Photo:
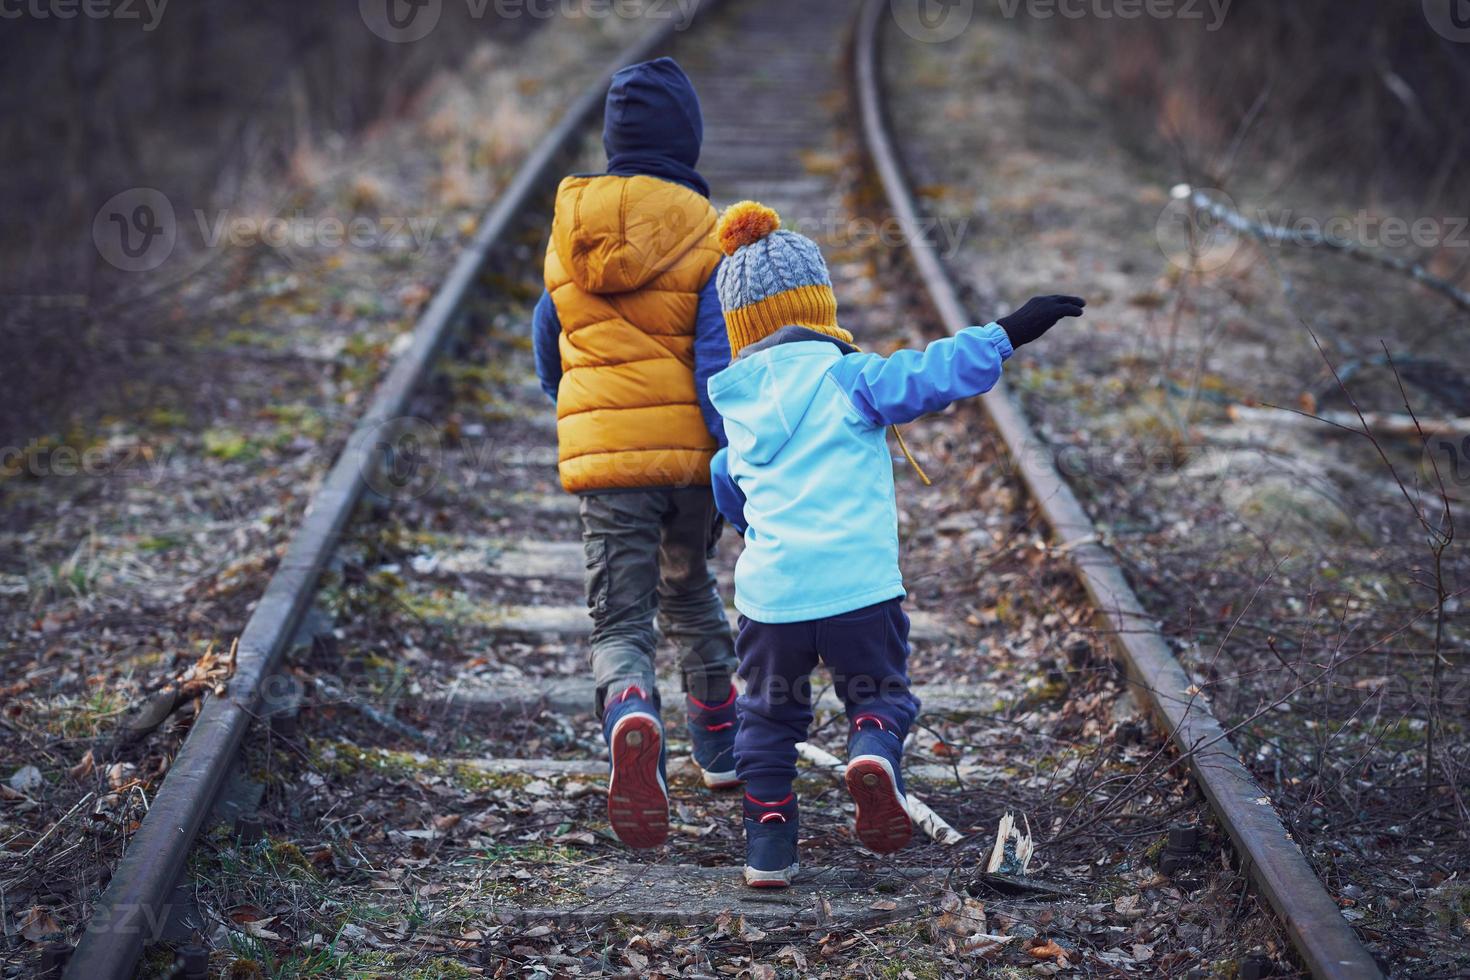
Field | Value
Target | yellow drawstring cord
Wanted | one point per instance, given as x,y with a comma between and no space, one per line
910,457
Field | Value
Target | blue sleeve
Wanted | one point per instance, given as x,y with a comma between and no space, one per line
711,354
910,383
728,497
546,339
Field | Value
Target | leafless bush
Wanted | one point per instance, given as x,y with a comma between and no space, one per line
1314,83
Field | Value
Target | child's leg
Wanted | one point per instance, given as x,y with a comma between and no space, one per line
867,651
691,613
621,533
776,662
693,618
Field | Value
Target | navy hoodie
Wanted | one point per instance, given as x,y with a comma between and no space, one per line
653,124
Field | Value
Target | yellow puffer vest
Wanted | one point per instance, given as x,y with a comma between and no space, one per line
627,260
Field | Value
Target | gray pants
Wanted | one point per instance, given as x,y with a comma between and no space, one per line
648,553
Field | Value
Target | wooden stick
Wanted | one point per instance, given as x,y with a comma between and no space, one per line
1311,238
932,823
1378,422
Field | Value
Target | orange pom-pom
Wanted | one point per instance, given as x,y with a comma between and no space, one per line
745,224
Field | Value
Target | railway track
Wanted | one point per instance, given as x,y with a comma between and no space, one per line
404,770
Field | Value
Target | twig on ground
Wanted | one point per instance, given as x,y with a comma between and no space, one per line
932,823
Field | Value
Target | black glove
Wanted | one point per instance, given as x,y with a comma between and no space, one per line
1039,315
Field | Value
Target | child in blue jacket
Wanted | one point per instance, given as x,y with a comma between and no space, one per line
808,479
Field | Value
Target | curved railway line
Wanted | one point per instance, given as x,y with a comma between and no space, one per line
478,737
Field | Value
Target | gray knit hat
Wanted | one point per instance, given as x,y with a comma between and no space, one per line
771,278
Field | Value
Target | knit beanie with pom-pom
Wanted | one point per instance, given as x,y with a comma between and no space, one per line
771,278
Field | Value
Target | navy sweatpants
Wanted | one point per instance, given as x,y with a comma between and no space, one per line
867,652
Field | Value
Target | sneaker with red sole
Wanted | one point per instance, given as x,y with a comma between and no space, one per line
712,740
875,780
637,793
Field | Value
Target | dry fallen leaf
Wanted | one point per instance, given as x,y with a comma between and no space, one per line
84,766
37,924
120,774
1047,951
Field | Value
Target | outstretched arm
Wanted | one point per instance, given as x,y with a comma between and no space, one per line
545,338
910,383
900,388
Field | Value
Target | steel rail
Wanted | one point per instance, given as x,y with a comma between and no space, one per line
1325,941
134,907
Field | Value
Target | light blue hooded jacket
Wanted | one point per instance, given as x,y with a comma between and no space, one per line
808,477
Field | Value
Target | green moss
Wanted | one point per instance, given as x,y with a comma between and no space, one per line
289,857
477,779
229,445
441,968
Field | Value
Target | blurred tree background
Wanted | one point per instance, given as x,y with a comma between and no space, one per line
210,93
1356,91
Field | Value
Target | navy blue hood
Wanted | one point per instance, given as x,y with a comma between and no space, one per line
653,124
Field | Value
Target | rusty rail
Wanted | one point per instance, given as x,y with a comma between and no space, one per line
133,908
1325,941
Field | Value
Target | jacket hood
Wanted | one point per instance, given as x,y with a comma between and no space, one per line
764,395
653,124
616,234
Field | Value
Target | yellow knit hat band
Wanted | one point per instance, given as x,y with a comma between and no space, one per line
813,307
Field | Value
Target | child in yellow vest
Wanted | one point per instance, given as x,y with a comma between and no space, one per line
626,335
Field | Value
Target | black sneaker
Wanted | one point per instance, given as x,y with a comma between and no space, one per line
770,842
712,735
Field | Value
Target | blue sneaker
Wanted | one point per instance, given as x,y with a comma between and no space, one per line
875,780
770,842
712,735
637,794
